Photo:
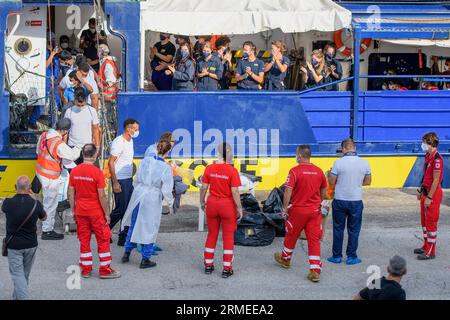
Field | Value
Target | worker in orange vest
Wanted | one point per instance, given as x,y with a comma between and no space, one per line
51,150
108,74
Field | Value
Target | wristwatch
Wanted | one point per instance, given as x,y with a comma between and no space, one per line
428,197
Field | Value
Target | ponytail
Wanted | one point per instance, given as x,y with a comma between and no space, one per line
163,147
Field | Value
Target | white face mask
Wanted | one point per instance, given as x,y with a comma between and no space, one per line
64,45
92,30
424,147
135,134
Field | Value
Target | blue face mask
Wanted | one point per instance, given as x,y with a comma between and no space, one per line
315,63
184,54
162,37
245,55
206,54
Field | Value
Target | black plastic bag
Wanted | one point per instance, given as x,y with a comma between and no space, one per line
280,229
274,202
249,203
255,230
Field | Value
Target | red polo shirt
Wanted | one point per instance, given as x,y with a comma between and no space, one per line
221,177
306,181
433,162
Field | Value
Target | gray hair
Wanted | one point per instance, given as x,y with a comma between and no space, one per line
23,183
397,266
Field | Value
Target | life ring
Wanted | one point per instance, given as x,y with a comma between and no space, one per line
365,43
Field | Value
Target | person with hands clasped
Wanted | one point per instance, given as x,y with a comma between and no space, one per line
223,207
430,196
277,68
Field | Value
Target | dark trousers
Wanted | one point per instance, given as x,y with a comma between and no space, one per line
350,212
121,201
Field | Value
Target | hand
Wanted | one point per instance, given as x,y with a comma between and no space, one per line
171,68
310,66
248,70
153,50
427,202
239,214
116,187
333,68
285,213
168,72
108,220
80,76
56,50
303,69
227,56
203,206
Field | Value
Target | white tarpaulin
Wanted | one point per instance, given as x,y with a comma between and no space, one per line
420,42
208,17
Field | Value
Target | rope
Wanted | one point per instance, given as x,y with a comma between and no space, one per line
52,105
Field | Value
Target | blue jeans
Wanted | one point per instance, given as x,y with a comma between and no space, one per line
121,201
147,249
350,212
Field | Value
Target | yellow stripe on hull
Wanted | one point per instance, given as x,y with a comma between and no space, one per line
387,172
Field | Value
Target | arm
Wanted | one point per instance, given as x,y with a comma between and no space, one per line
72,199
168,58
185,76
104,204
268,66
323,193
167,187
434,185
203,191
96,135
287,197
332,179
367,180
283,67
258,78
66,152
112,170
237,201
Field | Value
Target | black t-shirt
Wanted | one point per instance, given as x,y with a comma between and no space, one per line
390,290
16,210
87,35
164,49
92,53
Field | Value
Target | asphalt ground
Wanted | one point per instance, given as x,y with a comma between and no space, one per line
391,226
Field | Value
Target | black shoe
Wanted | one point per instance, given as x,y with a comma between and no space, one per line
147,263
425,256
126,257
419,251
209,269
227,273
52,235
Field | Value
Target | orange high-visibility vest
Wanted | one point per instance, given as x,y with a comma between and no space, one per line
109,92
48,162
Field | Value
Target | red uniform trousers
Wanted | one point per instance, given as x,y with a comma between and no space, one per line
85,226
220,211
311,221
429,218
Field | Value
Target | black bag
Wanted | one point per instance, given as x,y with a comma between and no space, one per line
6,242
255,230
274,202
280,229
249,203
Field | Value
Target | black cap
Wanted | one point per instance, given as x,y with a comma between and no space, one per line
63,124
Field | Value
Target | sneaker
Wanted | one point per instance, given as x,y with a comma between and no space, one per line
226,273
334,260
209,269
313,276
424,256
52,235
156,248
351,261
419,251
279,258
126,257
86,274
113,274
147,263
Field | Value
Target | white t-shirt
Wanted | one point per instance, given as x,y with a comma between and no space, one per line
124,151
90,79
350,171
82,120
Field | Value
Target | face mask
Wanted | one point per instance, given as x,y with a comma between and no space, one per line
315,63
245,55
184,54
64,45
226,51
424,147
206,54
135,134
162,37
391,87
72,84
330,55
92,30
384,87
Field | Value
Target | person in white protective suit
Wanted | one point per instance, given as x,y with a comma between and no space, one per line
153,181
51,150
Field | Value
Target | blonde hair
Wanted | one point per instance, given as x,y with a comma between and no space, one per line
280,45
